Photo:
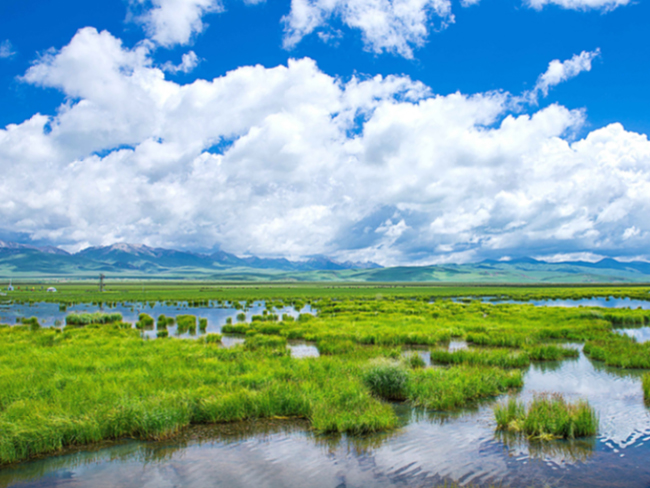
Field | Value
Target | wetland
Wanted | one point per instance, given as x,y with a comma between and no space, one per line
347,386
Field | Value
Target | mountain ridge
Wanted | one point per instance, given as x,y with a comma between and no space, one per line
123,260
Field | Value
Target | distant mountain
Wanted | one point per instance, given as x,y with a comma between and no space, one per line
14,246
122,258
140,261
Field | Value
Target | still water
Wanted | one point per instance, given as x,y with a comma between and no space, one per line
604,302
48,314
429,449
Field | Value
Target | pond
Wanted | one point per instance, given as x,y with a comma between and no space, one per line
429,449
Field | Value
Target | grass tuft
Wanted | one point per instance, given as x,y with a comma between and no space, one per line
547,417
387,379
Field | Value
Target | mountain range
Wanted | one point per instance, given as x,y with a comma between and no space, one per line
123,260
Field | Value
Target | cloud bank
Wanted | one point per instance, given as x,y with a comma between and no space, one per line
288,161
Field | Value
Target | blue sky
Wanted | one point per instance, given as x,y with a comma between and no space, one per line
403,132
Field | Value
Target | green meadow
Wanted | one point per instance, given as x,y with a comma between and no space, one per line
96,378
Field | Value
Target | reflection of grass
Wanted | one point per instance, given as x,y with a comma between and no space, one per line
547,417
573,450
646,387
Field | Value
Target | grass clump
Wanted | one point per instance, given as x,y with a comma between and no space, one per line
455,387
212,338
646,387
145,321
186,323
489,357
203,324
387,379
81,319
551,352
330,346
161,334
414,361
259,341
235,328
620,351
548,417
163,322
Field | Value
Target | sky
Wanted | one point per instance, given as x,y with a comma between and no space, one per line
403,132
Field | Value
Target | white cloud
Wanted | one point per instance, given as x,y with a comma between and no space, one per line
189,61
561,71
395,26
172,22
6,49
604,5
587,257
274,161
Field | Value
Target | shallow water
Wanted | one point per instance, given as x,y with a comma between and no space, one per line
430,448
48,314
604,302
641,334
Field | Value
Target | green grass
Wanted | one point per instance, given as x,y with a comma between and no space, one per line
550,352
81,319
448,389
102,381
489,357
186,323
646,387
619,351
212,338
387,379
547,417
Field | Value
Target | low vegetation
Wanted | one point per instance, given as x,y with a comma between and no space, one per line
81,319
646,387
98,378
547,417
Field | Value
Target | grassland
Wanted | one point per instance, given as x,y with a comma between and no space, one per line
94,381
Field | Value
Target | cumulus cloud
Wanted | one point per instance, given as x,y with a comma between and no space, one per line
189,61
172,22
559,72
289,161
6,49
603,5
395,26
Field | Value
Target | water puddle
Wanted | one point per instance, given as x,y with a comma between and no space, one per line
302,349
642,334
424,353
430,449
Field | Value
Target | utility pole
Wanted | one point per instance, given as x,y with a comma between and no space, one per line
101,282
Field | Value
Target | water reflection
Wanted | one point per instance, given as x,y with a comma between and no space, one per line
641,334
604,302
303,349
